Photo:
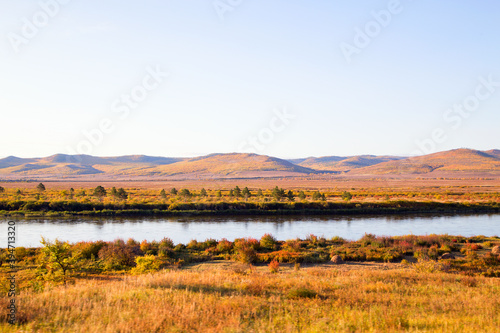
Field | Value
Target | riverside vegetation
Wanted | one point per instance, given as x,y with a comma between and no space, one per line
259,285
100,201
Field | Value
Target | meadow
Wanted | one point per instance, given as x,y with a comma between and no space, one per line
261,285
55,199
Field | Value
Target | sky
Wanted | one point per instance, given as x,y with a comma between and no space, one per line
286,78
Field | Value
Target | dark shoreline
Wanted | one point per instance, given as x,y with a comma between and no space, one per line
66,208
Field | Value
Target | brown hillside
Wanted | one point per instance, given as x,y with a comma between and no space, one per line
336,163
453,160
230,164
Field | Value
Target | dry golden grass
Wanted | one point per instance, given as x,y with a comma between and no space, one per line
228,297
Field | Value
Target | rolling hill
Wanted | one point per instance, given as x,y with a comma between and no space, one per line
337,163
457,160
239,165
233,164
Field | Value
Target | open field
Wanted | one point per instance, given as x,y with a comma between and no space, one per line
437,181
229,297
380,284
299,195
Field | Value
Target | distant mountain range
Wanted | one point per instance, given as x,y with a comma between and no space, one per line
239,165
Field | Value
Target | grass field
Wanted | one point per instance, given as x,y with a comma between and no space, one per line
230,297
220,197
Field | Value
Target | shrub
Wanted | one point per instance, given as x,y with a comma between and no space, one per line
338,240
165,247
193,244
224,245
274,266
268,242
246,250
89,250
117,255
147,264
293,245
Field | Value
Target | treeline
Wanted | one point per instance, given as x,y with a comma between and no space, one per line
240,207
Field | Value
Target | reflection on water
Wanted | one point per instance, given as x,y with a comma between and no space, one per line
183,229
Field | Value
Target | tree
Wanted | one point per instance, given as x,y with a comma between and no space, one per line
259,193
163,194
347,196
203,192
100,192
185,193
2,190
302,195
121,194
40,187
237,192
18,192
316,195
290,195
57,257
173,191
218,194
246,192
71,193
278,193
114,192
231,193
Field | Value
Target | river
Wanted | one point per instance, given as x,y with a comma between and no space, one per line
182,229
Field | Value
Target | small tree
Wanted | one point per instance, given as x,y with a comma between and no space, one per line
259,193
290,195
316,195
173,191
71,193
218,194
57,257
2,190
347,196
278,193
163,194
246,192
302,195
237,192
100,192
114,192
231,193
40,188
185,193
121,194
203,192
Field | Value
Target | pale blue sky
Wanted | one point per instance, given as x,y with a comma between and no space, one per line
226,77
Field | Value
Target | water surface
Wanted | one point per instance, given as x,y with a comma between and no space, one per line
183,229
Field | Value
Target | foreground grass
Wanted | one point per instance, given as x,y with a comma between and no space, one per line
230,297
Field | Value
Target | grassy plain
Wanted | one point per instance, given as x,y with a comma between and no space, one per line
230,297
390,193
